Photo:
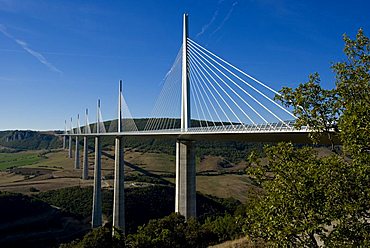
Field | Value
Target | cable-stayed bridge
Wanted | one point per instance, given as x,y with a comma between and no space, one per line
203,97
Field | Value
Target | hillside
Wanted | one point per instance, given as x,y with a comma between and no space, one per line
232,152
18,140
27,220
59,216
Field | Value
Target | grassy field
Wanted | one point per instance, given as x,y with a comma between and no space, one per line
8,160
59,172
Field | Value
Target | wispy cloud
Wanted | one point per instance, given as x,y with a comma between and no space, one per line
227,17
214,17
205,27
26,47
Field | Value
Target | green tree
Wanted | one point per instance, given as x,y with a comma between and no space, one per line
353,87
171,231
98,238
303,194
314,107
309,198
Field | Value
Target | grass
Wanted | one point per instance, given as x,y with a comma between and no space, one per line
8,160
223,185
54,160
240,243
154,162
229,185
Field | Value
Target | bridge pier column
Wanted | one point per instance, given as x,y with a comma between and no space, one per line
69,146
77,153
97,200
185,199
64,142
119,188
85,165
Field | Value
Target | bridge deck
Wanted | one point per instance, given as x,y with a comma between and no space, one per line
252,135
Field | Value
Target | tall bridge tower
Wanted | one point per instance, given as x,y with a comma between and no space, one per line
185,199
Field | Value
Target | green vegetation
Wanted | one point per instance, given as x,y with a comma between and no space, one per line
33,219
17,206
142,204
310,199
171,230
304,195
168,232
75,200
304,200
8,160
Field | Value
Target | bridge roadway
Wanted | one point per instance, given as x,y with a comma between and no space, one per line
200,134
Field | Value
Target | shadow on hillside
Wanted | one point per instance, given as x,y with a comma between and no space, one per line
135,167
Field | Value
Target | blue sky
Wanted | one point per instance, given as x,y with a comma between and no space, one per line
58,57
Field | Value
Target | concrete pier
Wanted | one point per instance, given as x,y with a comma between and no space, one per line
185,200
65,137
119,188
119,174
69,146
85,165
97,201
77,153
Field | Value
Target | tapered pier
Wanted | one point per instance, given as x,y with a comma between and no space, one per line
85,164
119,174
65,136
97,201
70,142
77,146
185,179
185,199
77,153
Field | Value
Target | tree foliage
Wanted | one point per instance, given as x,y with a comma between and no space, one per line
313,106
353,87
303,195
309,198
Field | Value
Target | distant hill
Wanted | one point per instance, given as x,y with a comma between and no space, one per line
18,140
232,151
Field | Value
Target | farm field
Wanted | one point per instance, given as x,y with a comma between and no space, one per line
8,160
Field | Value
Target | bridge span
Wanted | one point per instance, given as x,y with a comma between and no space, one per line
295,136
217,93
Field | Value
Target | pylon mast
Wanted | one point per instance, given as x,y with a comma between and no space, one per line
185,96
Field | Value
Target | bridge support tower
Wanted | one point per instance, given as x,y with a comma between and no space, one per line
69,146
77,153
85,161
97,200
70,142
85,164
119,175
64,142
65,137
185,202
77,147
185,199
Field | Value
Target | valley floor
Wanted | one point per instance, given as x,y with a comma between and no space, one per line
53,170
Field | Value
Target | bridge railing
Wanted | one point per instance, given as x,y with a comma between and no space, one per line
266,127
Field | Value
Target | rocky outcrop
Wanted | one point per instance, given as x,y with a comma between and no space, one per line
19,135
